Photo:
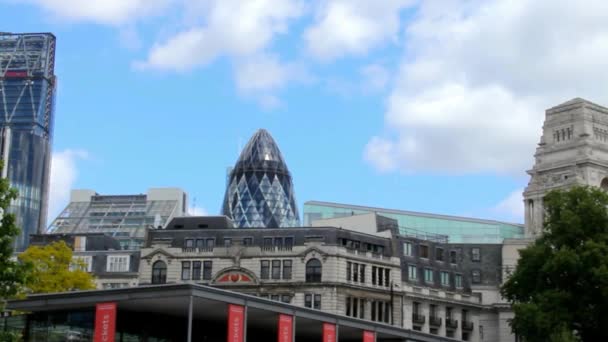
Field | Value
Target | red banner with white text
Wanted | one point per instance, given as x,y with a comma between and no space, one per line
369,336
329,332
105,322
285,328
236,318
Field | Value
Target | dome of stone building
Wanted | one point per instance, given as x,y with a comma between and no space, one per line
260,190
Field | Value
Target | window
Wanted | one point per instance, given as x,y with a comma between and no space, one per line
448,313
185,270
439,254
475,254
424,251
210,243
428,275
356,272
159,272
83,263
288,242
276,269
476,276
207,266
287,270
189,243
458,281
453,257
374,268
433,310
379,276
278,242
416,308
362,274
465,335
118,263
412,273
267,242
264,269
247,241
200,243
312,301
348,270
387,277
445,279
227,242
196,270
313,271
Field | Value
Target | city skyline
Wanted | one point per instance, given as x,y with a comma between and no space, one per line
379,119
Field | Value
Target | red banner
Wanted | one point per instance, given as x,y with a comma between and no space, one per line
329,332
105,322
236,318
369,336
285,328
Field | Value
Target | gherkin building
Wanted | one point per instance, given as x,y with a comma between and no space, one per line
260,191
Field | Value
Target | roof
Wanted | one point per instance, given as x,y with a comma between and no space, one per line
410,213
174,299
200,222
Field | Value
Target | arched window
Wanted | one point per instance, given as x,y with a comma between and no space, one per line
604,184
313,271
159,272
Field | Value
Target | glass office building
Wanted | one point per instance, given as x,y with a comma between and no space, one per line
457,229
124,217
260,190
27,91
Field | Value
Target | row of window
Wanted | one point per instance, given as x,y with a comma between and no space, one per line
355,272
363,246
268,242
114,263
428,273
276,272
450,323
380,311
381,276
285,298
440,255
193,270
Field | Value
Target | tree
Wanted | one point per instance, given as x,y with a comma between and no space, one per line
54,270
13,274
559,289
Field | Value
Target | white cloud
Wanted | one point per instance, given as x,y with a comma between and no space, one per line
263,75
108,12
232,28
345,27
64,172
197,211
477,76
375,77
512,207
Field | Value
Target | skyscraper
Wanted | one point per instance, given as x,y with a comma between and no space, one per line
260,191
27,91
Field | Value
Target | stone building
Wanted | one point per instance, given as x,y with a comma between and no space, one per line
370,272
573,150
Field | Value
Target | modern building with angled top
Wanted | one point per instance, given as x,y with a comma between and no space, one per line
27,101
260,190
123,217
422,225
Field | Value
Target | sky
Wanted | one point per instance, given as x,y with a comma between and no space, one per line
432,106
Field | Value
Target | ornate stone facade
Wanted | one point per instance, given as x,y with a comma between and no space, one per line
573,150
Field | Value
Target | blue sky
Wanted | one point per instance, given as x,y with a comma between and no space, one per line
417,105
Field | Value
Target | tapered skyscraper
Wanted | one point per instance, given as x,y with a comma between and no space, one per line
260,191
27,91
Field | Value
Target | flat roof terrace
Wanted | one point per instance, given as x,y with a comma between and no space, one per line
189,312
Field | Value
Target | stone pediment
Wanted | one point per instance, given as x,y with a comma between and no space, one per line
314,251
156,252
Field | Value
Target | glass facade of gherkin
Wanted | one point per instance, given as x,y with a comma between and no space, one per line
260,190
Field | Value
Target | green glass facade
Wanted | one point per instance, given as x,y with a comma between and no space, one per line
457,229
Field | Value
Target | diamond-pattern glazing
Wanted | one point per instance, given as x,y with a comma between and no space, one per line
260,191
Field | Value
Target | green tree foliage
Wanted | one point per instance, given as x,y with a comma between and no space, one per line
559,290
54,270
12,273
